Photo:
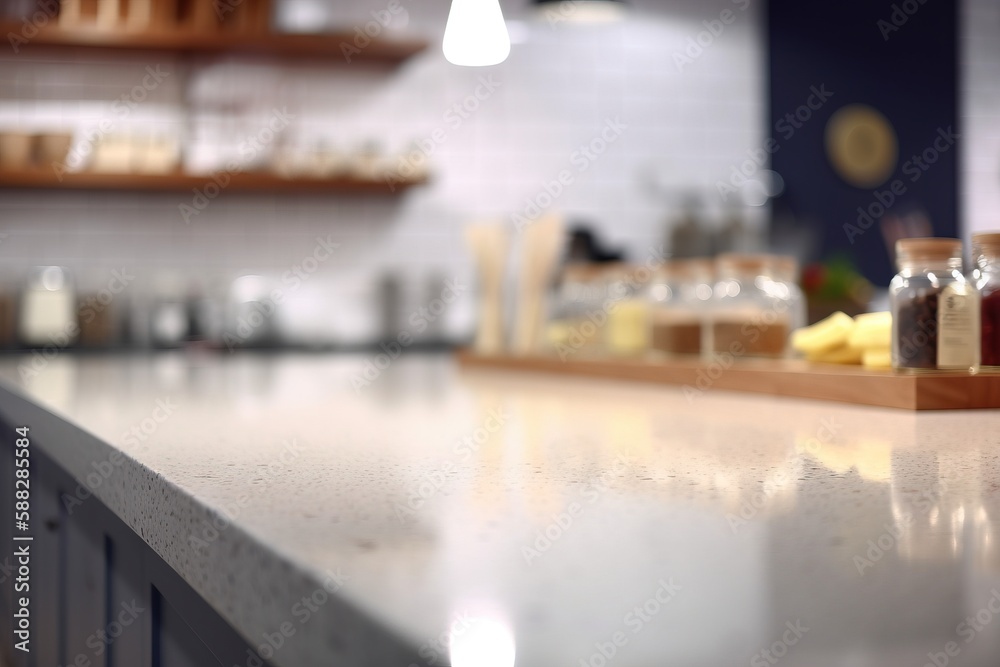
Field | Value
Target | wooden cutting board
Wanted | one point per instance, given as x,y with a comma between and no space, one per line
778,377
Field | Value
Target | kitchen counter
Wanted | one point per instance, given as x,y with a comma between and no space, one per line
570,522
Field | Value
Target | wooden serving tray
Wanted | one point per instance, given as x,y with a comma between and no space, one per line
778,377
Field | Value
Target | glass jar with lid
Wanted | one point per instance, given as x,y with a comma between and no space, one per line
935,310
575,316
627,310
986,276
785,275
679,297
753,307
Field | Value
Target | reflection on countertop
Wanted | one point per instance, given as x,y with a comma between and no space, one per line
545,521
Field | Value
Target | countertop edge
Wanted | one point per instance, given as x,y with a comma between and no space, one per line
235,573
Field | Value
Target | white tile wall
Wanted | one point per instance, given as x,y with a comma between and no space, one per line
980,110
556,92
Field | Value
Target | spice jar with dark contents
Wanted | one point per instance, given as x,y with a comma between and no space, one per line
935,310
986,277
753,307
678,298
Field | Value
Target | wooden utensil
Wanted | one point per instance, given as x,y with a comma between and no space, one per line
489,244
540,248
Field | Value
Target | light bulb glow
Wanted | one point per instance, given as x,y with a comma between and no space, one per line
487,642
476,35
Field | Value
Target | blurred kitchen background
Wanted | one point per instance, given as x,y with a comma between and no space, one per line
367,172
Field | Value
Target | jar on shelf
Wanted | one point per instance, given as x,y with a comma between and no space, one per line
755,305
627,328
679,297
986,276
935,309
576,314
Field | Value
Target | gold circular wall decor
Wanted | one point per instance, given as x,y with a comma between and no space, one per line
861,145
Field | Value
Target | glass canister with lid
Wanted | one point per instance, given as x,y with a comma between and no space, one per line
577,311
935,309
627,310
679,297
754,307
986,276
785,276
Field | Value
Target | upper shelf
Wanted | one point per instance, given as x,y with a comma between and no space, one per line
260,182
324,45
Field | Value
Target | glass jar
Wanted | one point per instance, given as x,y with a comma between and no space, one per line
986,276
785,275
627,328
48,308
678,298
935,310
754,307
577,312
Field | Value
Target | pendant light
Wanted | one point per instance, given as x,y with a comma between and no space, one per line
476,35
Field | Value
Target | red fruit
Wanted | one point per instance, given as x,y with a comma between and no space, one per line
813,277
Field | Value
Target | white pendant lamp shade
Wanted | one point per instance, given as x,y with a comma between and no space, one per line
476,35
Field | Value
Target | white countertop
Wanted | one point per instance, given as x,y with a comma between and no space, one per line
431,492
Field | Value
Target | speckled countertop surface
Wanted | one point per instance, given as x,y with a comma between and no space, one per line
541,521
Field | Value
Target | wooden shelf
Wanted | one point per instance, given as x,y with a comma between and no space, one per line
784,377
180,182
328,46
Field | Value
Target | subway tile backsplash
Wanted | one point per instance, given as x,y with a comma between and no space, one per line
980,109
504,132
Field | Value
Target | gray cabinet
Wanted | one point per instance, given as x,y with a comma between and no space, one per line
100,597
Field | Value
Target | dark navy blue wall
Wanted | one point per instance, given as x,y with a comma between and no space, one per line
910,76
